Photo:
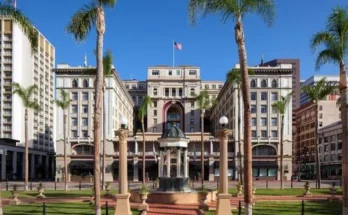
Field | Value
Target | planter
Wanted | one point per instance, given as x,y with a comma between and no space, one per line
202,201
239,190
307,190
143,205
15,200
41,191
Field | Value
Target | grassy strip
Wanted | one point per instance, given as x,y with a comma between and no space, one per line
55,193
288,192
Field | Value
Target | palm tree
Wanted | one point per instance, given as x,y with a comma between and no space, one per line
234,76
8,10
204,103
92,14
316,93
335,42
281,106
142,111
107,71
25,95
64,104
237,9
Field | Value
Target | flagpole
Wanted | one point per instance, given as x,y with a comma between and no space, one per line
173,54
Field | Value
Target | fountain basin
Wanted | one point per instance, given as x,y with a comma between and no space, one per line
173,184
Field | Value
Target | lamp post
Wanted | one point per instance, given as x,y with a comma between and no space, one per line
123,206
223,204
3,152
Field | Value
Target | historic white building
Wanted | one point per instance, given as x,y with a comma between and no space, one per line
267,84
80,114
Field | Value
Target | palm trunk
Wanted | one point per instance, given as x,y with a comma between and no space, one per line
317,161
239,140
343,92
26,153
240,40
282,154
65,154
97,108
1,211
202,147
144,169
104,139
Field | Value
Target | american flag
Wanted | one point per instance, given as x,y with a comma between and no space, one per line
178,45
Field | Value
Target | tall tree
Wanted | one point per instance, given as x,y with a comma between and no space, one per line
316,93
64,104
334,40
25,95
235,76
281,106
89,15
8,10
204,103
237,9
142,111
108,71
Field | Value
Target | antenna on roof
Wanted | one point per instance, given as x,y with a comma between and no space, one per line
261,60
85,61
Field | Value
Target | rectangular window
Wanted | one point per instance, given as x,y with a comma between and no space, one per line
85,96
253,121
255,172
274,96
192,104
263,96
263,172
74,133
192,121
84,121
274,133
173,92
155,121
180,92
264,134
192,113
154,104
155,72
74,108
177,72
192,72
85,133
320,107
272,172
84,109
214,86
74,121
263,108
74,96
263,121
170,72
253,96
274,121
253,134
154,129
253,108
166,92
320,116
274,110
155,112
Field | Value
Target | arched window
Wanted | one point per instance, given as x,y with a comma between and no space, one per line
155,91
263,83
85,83
253,83
74,83
192,92
264,150
274,84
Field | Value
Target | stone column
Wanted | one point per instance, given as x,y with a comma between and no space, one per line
211,147
178,162
211,169
160,164
14,163
168,162
185,163
123,206
135,147
223,204
135,169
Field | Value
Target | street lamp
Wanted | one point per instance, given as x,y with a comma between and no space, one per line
124,123
223,204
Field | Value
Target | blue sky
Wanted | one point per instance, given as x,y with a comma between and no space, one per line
140,34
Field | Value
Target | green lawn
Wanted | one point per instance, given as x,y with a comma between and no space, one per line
294,208
288,192
55,193
56,209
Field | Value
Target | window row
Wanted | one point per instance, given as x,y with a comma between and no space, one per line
264,109
264,134
174,72
85,96
74,121
84,134
75,83
264,96
263,122
74,109
264,83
